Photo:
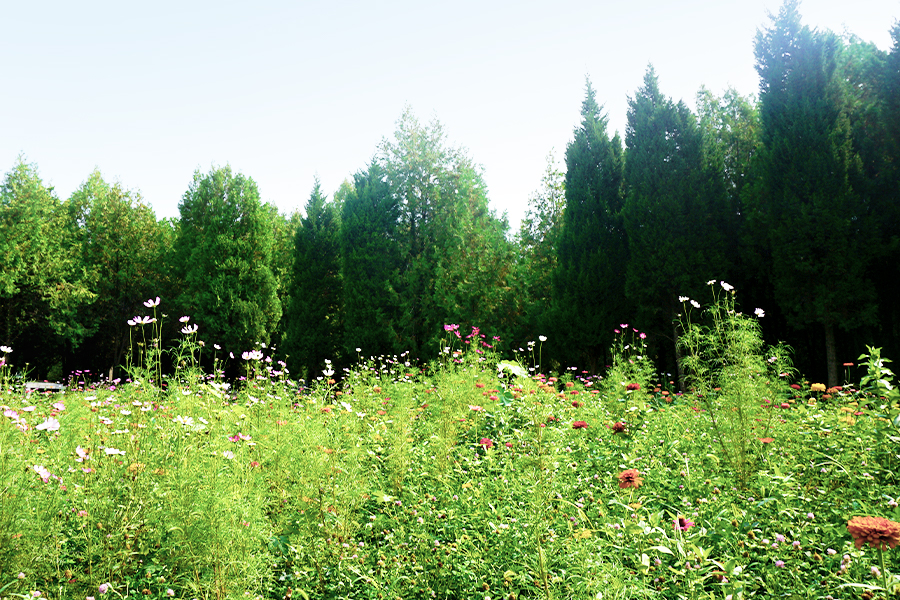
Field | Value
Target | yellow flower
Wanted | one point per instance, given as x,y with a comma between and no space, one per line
817,387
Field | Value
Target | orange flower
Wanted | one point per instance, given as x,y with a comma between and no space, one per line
878,532
630,479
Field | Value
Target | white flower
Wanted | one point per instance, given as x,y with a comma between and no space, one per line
5,349
151,302
683,299
359,349
760,313
43,472
726,287
50,424
695,304
711,282
186,421
543,338
82,454
228,454
328,372
184,319
217,347
111,451
252,355
189,329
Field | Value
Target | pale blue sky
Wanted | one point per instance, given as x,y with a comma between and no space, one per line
282,91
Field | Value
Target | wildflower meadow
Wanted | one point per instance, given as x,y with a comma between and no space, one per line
472,476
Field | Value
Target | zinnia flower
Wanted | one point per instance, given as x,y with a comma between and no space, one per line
630,479
486,443
683,524
579,425
878,532
633,386
618,427
817,387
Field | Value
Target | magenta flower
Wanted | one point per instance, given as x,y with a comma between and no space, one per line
683,524
486,443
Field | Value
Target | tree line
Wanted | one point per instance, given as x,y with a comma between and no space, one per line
792,197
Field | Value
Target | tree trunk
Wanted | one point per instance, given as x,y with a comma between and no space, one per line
831,355
675,338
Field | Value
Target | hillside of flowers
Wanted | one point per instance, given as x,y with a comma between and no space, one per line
468,477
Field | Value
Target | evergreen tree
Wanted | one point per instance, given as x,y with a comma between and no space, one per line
121,246
455,261
807,214
314,327
370,251
43,285
589,283
537,241
224,257
673,212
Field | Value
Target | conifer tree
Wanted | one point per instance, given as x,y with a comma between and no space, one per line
223,258
370,252
589,283
314,326
673,211
811,221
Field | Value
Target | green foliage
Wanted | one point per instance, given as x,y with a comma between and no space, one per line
737,377
589,282
314,327
370,252
223,255
43,284
123,249
675,210
454,258
807,166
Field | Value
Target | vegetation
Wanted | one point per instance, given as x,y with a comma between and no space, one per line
462,478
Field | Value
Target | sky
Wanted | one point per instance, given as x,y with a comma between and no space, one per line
285,92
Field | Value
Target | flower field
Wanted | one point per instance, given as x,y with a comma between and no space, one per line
466,478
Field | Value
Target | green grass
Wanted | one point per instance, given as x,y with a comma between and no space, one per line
438,482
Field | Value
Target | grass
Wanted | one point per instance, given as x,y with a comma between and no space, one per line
445,481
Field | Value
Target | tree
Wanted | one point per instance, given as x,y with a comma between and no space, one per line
454,259
673,212
589,282
43,286
224,257
314,327
371,257
537,241
807,215
121,247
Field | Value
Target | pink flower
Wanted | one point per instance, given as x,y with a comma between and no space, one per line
579,425
486,443
43,472
683,524
50,424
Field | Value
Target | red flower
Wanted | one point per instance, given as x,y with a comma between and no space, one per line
633,386
795,386
630,479
479,385
618,427
486,443
767,440
878,532
579,425
577,404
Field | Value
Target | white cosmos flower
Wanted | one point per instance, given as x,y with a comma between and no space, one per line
151,302
184,319
5,349
727,287
111,451
760,313
695,304
683,299
543,338
711,282
189,329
